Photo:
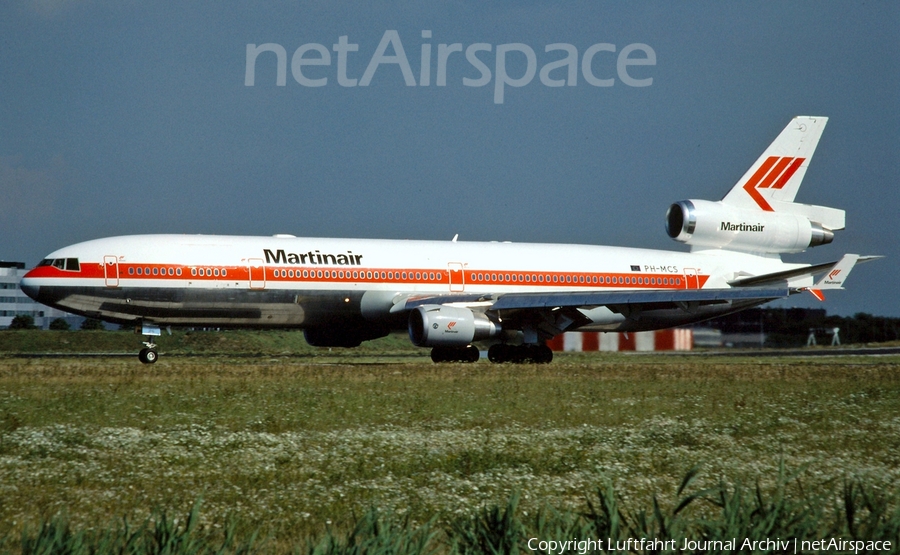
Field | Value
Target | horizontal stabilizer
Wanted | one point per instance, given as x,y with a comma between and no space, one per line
834,278
778,277
837,271
832,219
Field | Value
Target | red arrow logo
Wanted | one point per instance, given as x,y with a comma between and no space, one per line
774,173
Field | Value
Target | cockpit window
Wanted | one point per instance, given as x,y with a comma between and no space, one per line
67,264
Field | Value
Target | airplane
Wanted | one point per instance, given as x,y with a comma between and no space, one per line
450,295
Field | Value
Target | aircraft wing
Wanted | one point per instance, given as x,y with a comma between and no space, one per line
539,301
835,273
553,313
612,298
844,265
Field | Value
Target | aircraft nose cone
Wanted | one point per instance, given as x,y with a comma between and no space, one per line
30,289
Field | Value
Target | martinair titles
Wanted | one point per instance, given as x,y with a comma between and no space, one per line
455,296
279,257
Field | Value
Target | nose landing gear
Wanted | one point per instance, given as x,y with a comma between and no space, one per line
148,354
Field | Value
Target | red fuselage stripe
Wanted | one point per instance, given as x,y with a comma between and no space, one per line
168,272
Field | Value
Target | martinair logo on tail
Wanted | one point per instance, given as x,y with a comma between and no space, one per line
774,173
832,277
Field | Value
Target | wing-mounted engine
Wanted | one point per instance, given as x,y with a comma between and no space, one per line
704,224
449,326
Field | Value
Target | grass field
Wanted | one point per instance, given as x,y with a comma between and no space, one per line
290,445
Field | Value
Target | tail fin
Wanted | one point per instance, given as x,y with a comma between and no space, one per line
772,182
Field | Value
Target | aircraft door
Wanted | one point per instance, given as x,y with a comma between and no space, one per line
457,277
111,270
691,281
257,271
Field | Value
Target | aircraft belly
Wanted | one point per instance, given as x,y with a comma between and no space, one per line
208,307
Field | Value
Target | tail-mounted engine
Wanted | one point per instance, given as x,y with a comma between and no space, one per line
713,225
449,326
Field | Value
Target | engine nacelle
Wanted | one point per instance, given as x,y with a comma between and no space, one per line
714,225
449,326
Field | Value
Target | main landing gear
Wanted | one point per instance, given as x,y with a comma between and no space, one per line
469,353
148,354
534,354
519,354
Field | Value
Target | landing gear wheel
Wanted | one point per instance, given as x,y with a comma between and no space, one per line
544,355
148,356
498,353
518,354
468,353
438,354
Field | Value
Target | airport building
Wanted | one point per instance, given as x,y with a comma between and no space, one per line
14,302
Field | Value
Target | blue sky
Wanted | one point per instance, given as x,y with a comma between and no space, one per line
123,117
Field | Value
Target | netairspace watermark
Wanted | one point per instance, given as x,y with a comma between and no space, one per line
600,64
642,545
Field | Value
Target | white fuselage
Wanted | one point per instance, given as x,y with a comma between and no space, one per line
284,281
